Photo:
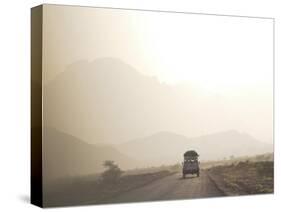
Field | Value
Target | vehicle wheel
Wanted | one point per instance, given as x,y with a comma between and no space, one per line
183,176
198,174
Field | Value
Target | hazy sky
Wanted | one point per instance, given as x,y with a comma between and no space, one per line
213,51
230,56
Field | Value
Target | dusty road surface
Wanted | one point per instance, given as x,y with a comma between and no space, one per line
171,188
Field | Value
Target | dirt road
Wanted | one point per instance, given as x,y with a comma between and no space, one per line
171,188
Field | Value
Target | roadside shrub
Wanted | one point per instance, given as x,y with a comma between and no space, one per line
112,172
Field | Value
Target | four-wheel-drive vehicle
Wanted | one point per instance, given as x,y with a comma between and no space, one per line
190,164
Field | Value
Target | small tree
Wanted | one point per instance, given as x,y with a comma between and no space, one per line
112,172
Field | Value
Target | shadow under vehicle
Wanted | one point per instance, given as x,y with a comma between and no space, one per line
190,164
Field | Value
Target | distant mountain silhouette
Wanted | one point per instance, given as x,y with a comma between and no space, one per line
65,156
166,147
109,101
106,101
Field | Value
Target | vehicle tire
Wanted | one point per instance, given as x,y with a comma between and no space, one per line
198,174
183,176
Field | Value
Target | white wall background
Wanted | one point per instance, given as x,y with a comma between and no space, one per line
15,98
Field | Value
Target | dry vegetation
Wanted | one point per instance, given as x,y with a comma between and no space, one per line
244,177
235,160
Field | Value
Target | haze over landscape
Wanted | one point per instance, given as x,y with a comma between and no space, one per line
107,110
146,91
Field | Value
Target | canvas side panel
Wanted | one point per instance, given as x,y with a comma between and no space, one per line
36,105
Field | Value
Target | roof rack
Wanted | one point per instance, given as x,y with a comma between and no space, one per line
191,153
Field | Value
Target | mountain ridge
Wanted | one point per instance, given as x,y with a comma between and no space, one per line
65,155
214,146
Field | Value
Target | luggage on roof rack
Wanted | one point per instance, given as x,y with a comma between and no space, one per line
191,153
